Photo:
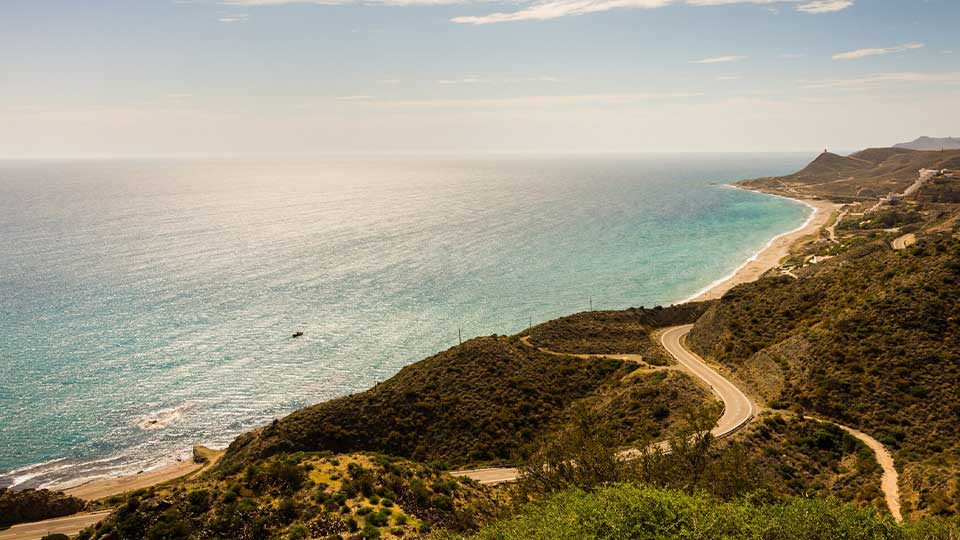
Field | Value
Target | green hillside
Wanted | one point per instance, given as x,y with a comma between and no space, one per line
871,339
301,496
479,402
865,175
489,399
612,332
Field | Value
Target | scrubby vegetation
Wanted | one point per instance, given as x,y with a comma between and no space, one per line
35,505
871,339
636,512
301,496
883,219
941,190
488,401
647,406
479,402
803,457
615,332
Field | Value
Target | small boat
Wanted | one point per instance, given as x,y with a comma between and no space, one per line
297,334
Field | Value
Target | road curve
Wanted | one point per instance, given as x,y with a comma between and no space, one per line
903,242
738,409
69,526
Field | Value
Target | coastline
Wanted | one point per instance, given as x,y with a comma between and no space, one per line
766,258
101,488
770,255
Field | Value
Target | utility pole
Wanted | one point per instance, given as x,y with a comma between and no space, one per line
529,326
591,303
459,335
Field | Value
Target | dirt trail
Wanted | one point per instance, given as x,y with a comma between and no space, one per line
889,480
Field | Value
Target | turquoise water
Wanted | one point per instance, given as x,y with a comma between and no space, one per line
146,306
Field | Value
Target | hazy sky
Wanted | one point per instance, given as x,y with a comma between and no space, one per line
158,77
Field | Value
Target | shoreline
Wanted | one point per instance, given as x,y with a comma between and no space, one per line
101,488
751,269
770,255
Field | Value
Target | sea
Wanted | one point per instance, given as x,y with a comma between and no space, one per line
150,305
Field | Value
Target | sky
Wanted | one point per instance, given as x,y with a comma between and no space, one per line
96,78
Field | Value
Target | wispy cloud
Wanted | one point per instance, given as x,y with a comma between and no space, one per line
719,60
541,10
473,79
341,2
533,101
824,6
465,80
238,18
863,53
355,98
729,78
553,9
885,79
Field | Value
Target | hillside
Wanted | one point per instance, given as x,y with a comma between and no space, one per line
478,402
35,504
301,496
615,332
865,175
796,457
870,338
485,401
931,143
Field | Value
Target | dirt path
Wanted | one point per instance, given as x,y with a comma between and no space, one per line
635,358
889,480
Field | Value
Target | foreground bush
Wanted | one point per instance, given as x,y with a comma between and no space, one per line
635,512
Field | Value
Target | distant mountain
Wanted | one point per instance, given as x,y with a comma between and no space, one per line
932,143
867,174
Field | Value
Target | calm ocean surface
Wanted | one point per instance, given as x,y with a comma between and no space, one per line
146,306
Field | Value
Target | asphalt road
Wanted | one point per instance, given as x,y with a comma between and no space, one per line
738,409
69,526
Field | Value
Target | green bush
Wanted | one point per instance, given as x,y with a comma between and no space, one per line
298,532
635,512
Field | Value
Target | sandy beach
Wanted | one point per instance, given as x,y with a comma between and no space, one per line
777,249
107,487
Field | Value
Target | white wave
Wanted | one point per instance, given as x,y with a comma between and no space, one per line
162,418
756,255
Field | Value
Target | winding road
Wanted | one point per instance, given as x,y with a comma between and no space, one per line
738,409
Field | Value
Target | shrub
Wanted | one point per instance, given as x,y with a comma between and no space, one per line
298,532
